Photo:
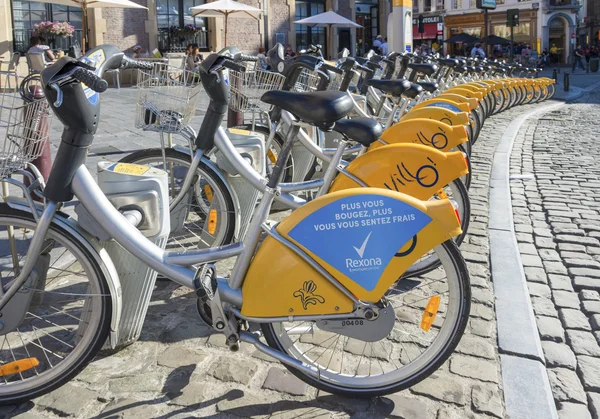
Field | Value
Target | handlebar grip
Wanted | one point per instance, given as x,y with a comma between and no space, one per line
234,66
244,57
90,79
130,63
331,68
365,69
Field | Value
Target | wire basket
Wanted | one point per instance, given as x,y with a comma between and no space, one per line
24,128
308,81
167,97
248,87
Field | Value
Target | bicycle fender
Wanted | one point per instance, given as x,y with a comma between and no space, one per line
365,238
467,92
438,114
97,252
444,103
416,170
461,98
426,132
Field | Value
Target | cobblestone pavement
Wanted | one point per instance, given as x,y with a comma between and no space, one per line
557,220
179,368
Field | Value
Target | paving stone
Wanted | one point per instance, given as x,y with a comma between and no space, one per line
539,290
353,405
582,263
487,399
558,355
521,237
555,268
531,260
481,328
544,243
62,401
586,241
471,345
536,275
442,387
570,247
550,328
566,386
549,255
482,311
474,368
560,282
585,272
583,282
452,413
594,404
192,394
401,406
595,321
285,409
175,357
589,295
483,296
138,383
528,249
589,370
566,299
236,370
583,343
575,255
573,411
246,405
544,307
283,381
591,307
573,319
124,408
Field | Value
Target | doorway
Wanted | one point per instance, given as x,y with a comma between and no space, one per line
558,38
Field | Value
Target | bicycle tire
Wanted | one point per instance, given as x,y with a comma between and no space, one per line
155,154
100,333
450,253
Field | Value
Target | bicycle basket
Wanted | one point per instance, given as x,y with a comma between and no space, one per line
167,97
248,87
308,81
24,127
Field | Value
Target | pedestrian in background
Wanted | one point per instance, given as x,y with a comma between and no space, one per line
384,47
525,55
578,55
588,55
377,44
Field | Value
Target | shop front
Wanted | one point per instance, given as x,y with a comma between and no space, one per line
433,30
471,24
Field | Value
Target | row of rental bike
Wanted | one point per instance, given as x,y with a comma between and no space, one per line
340,188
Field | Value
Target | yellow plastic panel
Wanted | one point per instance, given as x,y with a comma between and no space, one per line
426,132
415,170
444,103
471,101
352,234
438,114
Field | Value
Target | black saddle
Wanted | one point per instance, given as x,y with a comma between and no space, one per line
321,109
414,91
450,62
362,130
429,86
393,87
423,68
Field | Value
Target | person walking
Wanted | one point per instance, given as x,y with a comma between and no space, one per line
525,55
377,44
477,52
578,55
588,55
384,47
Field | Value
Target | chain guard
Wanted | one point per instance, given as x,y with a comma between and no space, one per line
361,328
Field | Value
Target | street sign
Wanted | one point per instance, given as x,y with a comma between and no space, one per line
486,4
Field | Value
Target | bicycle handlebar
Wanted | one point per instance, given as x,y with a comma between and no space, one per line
90,79
244,57
131,63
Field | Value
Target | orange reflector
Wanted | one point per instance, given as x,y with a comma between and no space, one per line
272,157
430,312
209,193
212,221
455,205
442,194
18,366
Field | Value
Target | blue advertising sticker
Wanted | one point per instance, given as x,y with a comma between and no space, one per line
360,235
444,105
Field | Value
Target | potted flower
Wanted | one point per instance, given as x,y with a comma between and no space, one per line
50,30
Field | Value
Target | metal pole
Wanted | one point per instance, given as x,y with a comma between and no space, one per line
512,43
485,31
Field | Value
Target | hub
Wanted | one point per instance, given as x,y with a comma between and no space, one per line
362,328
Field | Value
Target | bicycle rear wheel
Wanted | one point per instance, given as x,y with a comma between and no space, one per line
66,309
408,354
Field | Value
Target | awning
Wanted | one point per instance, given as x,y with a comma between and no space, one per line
430,31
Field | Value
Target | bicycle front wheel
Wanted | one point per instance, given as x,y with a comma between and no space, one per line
65,310
408,354
206,216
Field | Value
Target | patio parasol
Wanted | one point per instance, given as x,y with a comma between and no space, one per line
96,4
328,20
223,8
462,38
495,40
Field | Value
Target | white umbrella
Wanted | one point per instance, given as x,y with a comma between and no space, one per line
328,20
96,4
223,8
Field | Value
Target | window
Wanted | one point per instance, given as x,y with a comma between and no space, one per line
26,14
457,4
427,5
440,5
172,14
521,32
415,7
305,35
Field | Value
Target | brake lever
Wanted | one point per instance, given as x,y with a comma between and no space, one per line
59,95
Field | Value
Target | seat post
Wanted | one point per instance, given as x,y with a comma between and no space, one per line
333,167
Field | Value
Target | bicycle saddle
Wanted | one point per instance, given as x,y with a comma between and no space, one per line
414,91
423,68
321,109
393,87
429,86
362,130
450,62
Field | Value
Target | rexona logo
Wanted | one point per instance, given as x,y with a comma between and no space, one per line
362,263
359,235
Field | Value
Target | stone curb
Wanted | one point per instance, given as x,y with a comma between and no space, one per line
527,392
576,92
